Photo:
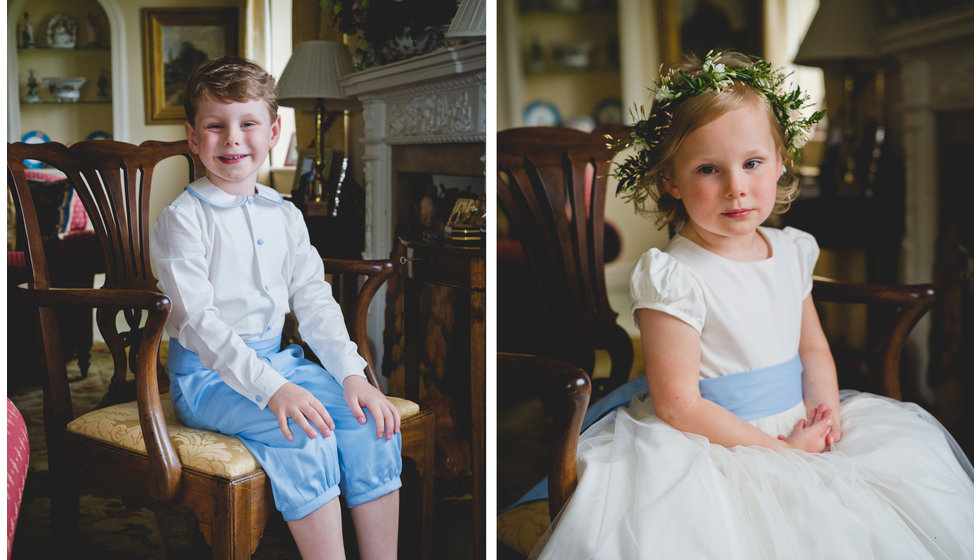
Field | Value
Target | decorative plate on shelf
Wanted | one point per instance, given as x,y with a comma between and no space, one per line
541,113
34,137
609,111
585,123
62,32
99,135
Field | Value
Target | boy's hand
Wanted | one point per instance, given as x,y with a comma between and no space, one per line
358,393
293,401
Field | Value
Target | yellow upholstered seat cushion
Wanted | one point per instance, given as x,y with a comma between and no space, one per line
520,527
406,408
210,452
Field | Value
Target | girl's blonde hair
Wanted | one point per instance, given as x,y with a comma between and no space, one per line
694,113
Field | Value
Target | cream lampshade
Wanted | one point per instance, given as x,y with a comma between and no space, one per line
470,21
840,30
311,82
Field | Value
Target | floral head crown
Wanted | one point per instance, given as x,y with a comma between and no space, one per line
676,86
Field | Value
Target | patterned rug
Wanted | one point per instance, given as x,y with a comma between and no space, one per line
108,528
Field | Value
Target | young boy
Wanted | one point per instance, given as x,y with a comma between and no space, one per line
234,258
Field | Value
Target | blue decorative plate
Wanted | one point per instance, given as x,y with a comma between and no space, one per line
99,135
609,111
34,137
541,113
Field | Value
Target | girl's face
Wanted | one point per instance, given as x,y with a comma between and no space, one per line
232,140
725,173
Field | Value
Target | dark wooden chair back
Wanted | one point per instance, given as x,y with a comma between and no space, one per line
551,186
113,181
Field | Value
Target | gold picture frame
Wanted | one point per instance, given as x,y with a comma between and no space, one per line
175,40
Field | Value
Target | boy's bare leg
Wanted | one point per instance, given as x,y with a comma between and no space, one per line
320,534
376,525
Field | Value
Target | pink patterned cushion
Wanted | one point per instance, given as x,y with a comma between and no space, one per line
17,455
74,219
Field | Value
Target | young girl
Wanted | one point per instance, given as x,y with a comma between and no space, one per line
742,446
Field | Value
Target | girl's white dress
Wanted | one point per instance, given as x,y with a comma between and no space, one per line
894,487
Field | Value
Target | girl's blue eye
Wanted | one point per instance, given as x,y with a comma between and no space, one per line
752,164
706,169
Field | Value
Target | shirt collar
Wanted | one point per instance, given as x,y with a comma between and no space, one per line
210,193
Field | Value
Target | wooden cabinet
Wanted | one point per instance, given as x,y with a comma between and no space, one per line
89,58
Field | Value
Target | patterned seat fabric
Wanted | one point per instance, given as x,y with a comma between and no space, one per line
520,527
209,452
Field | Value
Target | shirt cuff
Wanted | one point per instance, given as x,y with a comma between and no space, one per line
264,391
341,377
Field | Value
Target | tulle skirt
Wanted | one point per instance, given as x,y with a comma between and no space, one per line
892,488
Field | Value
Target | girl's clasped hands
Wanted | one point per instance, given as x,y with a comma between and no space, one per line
815,433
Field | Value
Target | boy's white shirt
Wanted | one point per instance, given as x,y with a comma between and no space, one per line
233,267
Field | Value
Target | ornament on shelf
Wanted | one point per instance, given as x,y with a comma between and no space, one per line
92,27
32,95
103,85
27,33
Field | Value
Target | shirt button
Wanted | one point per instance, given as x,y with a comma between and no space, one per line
258,398
267,287
261,241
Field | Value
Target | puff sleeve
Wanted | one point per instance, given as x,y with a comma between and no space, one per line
807,252
661,282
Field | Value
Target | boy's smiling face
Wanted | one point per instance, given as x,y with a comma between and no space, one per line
232,140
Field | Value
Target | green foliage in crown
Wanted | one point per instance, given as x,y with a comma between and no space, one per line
676,86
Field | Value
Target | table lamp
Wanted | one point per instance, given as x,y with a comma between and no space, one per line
842,33
311,82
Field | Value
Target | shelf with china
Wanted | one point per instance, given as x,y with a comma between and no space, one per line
63,59
569,61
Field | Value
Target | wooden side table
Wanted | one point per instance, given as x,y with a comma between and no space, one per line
464,269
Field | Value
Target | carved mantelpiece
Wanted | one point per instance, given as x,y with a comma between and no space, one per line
437,98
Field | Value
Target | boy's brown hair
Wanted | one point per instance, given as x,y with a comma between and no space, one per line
230,79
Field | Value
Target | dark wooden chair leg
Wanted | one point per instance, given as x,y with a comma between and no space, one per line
417,537
65,491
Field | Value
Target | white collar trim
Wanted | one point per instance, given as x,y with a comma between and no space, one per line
210,193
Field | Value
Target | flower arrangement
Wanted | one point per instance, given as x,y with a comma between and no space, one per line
390,30
676,86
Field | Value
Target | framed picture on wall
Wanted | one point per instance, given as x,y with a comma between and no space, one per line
175,41
697,26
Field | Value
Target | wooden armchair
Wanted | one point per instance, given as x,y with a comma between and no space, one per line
561,387
551,186
139,449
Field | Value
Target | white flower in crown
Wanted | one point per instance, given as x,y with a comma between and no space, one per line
797,141
663,93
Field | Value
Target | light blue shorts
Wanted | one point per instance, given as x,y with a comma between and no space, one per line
306,473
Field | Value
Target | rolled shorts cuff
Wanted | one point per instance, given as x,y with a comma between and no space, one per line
374,493
301,511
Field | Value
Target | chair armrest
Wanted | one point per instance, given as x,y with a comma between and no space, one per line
565,390
911,301
165,468
377,273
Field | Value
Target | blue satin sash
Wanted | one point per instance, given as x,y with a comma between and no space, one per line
757,393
